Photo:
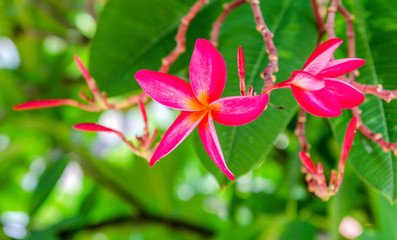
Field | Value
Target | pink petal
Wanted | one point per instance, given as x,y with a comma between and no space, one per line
36,104
340,67
307,162
239,110
185,123
347,95
321,56
306,81
207,72
348,141
320,103
211,144
168,90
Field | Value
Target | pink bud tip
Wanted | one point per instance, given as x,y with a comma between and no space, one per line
36,104
143,110
240,63
348,142
250,91
307,162
92,127
82,68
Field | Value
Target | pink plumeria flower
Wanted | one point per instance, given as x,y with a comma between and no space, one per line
316,88
200,103
315,175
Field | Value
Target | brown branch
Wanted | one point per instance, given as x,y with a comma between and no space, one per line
141,219
376,90
330,25
131,100
319,20
300,131
375,137
272,67
180,37
219,21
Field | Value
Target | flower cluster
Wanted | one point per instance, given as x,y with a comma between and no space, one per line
315,87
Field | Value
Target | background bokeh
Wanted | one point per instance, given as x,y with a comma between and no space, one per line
59,183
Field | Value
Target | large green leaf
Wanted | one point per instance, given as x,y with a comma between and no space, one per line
134,35
376,31
245,147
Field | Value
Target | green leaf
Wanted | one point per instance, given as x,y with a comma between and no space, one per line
47,182
298,230
245,147
135,35
376,31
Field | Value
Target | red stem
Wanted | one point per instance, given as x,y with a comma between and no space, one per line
272,67
180,37
219,21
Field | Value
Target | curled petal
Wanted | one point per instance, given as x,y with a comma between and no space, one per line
207,72
320,103
307,162
348,141
239,110
347,95
36,104
306,81
168,90
185,123
321,56
340,67
211,144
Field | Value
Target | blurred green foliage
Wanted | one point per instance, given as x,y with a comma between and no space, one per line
57,183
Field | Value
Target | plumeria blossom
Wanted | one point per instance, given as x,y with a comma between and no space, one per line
315,175
316,88
200,103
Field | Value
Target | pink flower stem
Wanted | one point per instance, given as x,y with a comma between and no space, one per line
87,108
85,98
180,37
219,21
151,140
319,20
272,67
131,100
105,101
300,131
